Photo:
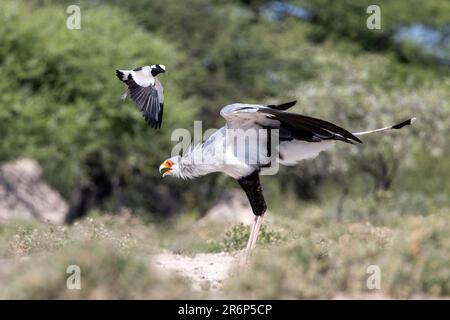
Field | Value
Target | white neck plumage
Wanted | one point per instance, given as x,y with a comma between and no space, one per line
195,163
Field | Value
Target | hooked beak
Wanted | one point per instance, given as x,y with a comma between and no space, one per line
165,169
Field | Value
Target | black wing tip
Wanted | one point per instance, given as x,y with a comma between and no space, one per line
404,123
350,140
355,138
152,123
283,106
156,125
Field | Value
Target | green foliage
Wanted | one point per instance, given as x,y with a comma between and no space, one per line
229,55
113,253
422,264
357,93
347,19
61,104
331,261
306,253
106,274
236,238
22,239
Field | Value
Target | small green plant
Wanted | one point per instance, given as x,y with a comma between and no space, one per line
237,236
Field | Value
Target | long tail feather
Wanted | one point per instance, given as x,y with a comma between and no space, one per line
396,126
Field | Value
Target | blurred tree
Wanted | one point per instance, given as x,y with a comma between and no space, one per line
62,104
348,19
229,55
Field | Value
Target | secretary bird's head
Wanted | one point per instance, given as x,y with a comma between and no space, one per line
170,167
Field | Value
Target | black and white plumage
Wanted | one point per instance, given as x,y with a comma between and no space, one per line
298,137
146,91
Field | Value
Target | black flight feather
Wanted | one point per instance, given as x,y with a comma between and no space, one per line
283,106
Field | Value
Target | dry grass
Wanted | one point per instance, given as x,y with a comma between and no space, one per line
328,259
303,253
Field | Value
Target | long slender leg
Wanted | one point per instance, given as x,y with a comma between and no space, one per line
252,234
252,239
244,260
253,190
257,227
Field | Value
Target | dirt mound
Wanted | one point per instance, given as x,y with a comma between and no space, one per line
24,195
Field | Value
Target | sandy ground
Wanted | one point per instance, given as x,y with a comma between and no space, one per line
207,271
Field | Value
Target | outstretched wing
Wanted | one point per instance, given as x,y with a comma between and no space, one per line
292,126
300,127
147,93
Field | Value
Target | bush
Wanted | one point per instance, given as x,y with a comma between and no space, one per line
105,274
333,262
237,236
63,107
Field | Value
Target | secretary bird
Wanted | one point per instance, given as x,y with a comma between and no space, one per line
297,137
